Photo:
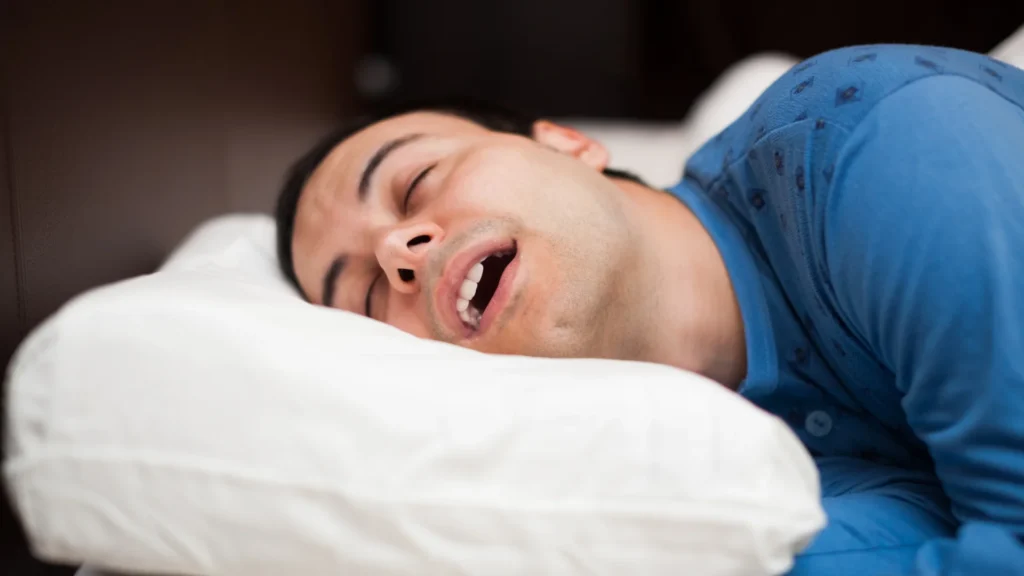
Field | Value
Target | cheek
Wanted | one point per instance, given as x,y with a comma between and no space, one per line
485,200
491,181
402,314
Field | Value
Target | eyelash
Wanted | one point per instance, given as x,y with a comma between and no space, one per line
412,187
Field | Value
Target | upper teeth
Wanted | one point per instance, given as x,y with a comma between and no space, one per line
466,292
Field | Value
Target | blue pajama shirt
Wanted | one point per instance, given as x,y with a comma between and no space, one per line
870,211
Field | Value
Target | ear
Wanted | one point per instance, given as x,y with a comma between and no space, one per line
571,142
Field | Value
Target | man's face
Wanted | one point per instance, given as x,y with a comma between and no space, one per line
454,232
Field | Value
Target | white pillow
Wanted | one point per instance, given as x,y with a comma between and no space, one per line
658,151
205,420
1011,50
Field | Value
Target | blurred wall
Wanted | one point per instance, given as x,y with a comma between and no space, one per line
646,59
137,119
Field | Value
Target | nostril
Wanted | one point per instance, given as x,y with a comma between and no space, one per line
406,275
418,240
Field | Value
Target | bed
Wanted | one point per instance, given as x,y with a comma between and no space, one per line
175,153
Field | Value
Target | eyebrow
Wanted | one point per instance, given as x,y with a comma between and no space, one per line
331,280
378,158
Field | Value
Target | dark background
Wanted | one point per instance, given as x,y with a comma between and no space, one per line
140,118
641,58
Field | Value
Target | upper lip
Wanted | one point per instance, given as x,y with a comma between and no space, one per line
455,272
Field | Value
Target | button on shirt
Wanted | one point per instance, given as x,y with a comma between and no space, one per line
870,211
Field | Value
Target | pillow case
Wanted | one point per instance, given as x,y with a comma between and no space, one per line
205,420
1011,50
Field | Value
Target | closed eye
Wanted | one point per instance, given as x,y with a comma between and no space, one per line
369,296
412,187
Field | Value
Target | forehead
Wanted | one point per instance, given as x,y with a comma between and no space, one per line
335,177
347,160
329,201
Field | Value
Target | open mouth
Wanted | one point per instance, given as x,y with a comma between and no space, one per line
480,284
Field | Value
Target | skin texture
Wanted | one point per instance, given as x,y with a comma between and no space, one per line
605,268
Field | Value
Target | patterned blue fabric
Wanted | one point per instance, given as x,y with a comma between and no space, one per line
870,210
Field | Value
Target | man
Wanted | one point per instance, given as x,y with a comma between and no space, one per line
847,255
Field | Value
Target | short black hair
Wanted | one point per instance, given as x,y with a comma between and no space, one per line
489,115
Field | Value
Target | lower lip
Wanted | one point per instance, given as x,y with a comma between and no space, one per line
500,298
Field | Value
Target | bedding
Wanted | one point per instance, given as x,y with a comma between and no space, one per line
204,420
1011,50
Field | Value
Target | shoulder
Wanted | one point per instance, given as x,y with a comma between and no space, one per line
939,155
842,86
838,89
924,211
854,133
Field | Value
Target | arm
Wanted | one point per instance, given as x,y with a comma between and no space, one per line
878,516
925,248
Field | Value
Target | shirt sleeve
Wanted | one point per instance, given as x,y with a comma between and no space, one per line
878,515
924,245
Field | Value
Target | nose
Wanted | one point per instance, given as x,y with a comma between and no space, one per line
402,253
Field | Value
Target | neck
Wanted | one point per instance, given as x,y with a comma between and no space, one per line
687,315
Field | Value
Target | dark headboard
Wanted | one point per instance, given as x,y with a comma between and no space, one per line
123,124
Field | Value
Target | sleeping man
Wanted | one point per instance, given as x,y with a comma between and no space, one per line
848,255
